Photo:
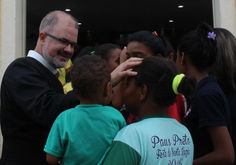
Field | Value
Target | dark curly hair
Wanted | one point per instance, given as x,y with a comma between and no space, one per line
89,75
157,73
199,48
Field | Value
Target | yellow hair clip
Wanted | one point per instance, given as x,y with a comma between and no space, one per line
176,81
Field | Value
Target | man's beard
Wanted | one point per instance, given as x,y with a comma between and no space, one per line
56,63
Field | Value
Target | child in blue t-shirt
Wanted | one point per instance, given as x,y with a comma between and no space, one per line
157,138
83,134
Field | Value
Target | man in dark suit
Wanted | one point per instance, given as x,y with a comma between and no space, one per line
32,96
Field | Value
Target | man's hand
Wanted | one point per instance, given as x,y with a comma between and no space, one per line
124,70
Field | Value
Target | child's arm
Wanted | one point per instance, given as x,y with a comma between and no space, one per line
54,147
121,153
223,152
52,159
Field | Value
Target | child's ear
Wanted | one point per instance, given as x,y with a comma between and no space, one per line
183,58
108,89
107,93
143,92
171,56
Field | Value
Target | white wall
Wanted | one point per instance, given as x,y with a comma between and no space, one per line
13,26
224,15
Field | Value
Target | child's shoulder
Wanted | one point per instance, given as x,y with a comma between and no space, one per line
132,128
65,113
111,109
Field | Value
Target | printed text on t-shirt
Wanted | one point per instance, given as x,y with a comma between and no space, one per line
175,148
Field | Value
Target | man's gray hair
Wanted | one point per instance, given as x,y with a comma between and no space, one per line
51,19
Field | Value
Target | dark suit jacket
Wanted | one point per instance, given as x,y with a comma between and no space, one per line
32,98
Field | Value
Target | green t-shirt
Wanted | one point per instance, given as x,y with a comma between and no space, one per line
83,134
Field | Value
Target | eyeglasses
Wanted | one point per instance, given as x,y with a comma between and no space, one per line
64,41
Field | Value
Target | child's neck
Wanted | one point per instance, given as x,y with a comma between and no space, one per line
152,111
91,101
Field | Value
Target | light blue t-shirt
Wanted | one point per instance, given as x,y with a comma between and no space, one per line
152,141
83,134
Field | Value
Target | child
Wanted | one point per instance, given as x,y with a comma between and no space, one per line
208,115
145,44
156,138
111,53
83,134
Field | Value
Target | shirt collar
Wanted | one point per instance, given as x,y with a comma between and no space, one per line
157,116
206,80
39,58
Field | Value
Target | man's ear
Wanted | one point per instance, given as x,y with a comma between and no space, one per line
107,89
143,92
42,37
